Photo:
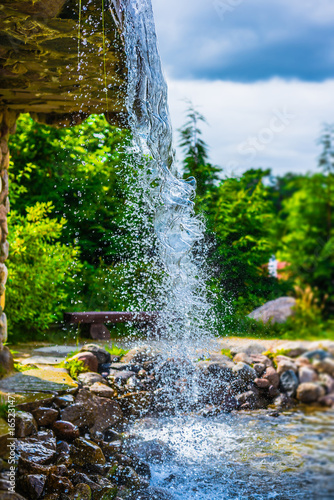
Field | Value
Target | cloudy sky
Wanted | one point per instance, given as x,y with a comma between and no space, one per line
262,73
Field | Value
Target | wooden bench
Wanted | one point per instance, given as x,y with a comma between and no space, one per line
96,320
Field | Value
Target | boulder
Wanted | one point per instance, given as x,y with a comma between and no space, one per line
327,400
325,366
275,311
85,452
307,374
289,383
271,375
327,381
262,383
318,354
89,378
45,416
243,357
39,450
65,430
101,354
25,424
244,372
285,364
310,392
32,485
141,355
103,390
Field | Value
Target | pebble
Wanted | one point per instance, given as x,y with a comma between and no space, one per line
65,430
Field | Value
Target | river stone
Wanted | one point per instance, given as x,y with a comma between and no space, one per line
271,375
36,449
82,492
310,392
120,377
307,374
103,390
88,359
259,368
319,354
25,424
327,381
85,452
327,400
63,401
325,366
243,357
244,372
6,360
262,359
289,383
65,430
251,398
60,485
274,311
142,354
285,364
136,404
101,354
45,416
32,485
79,414
222,370
110,449
262,383
89,378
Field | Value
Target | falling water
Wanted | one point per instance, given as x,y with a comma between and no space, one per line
184,311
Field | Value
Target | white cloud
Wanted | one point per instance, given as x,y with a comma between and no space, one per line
240,113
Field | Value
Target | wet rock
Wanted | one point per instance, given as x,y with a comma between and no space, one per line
25,424
65,430
289,383
250,397
283,402
129,478
274,311
111,449
242,357
244,372
37,450
285,364
59,484
307,374
63,401
32,485
318,354
262,359
79,414
63,448
112,435
85,452
136,404
82,492
142,468
310,392
220,370
88,359
327,400
103,390
259,368
6,359
262,383
271,375
90,378
325,366
152,451
327,381
45,416
120,378
142,354
101,354
273,391
7,495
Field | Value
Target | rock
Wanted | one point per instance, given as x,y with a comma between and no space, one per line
25,424
285,364
90,378
244,372
85,452
142,468
111,449
283,402
45,416
219,370
294,348
259,368
243,357
249,400
136,404
262,359
301,361
65,430
92,411
88,359
307,374
327,381
319,354
111,435
325,366
289,383
33,382
32,485
103,390
127,476
251,348
327,400
63,401
152,451
310,392
262,383
120,378
6,359
60,485
273,392
36,449
82,492
142,354
101,354
271,375
275,311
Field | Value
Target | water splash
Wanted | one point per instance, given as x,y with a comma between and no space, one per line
185,312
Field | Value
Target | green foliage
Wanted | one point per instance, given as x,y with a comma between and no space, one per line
74,367
116,351
41,270
227,352
18,367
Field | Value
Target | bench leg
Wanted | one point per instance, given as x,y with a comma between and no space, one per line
99,332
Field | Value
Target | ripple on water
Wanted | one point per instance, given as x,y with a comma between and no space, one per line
245,456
